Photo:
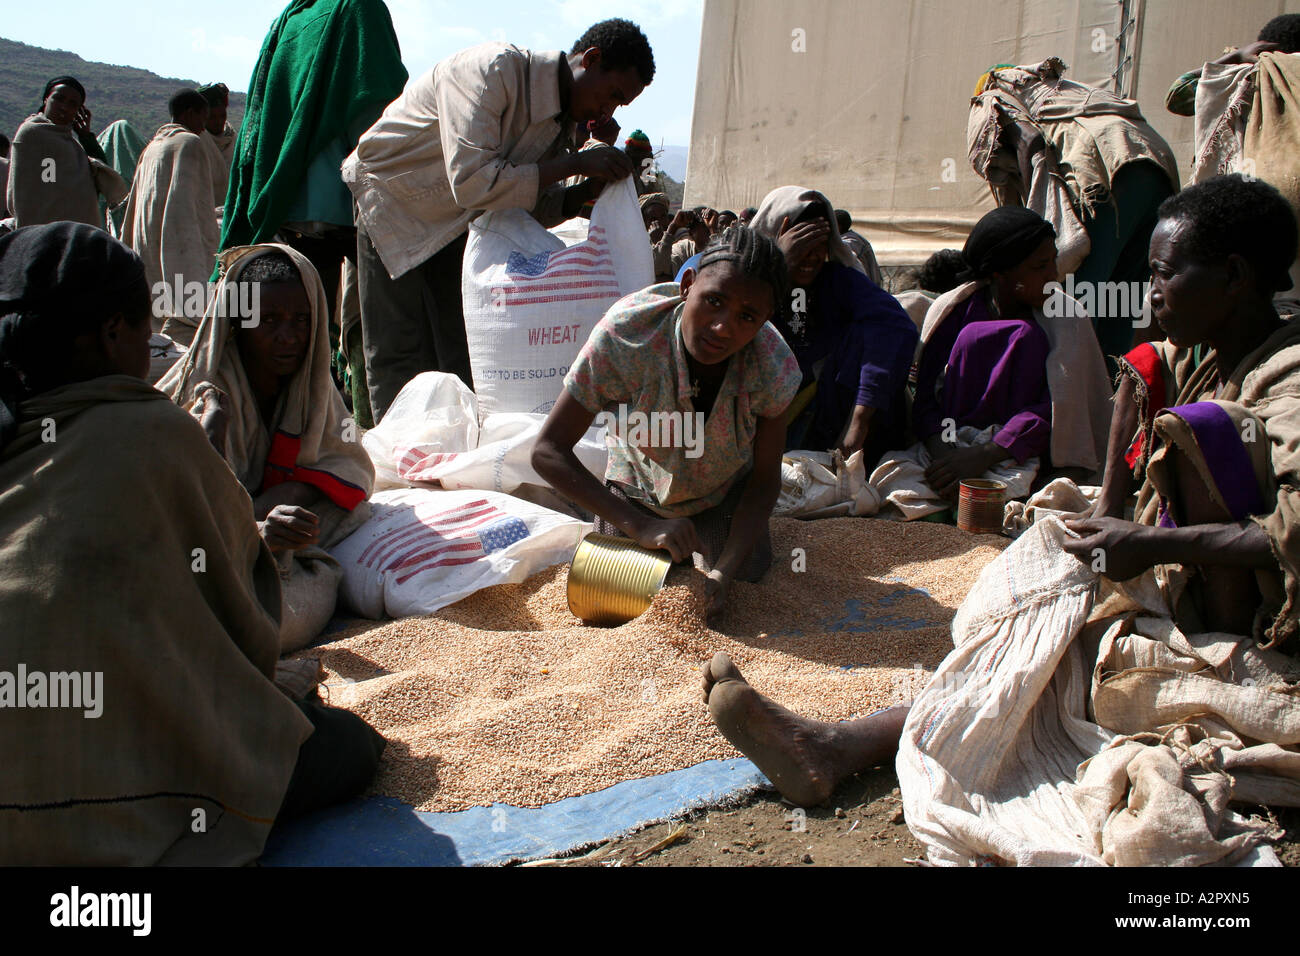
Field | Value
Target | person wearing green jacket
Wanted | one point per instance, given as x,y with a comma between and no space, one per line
325,73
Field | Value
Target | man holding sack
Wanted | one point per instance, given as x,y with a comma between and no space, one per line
491,127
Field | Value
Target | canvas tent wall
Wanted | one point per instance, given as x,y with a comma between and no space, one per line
867,100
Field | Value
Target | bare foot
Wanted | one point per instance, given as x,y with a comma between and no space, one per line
795,753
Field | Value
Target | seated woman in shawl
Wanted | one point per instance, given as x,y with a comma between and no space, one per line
1218,442
284,429
702,358
150,590
56,167
852,339
1005,379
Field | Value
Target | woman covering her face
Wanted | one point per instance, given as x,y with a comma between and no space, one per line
853,340
57,170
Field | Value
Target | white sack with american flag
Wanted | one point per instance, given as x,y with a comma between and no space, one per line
530,302
424,549
430,436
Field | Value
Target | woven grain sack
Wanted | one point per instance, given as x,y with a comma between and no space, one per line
530,302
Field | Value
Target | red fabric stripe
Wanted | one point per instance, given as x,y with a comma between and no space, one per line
1146,362
282,465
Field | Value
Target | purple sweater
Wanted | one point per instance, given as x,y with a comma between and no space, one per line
981,371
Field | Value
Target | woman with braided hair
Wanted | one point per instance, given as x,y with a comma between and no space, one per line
703,361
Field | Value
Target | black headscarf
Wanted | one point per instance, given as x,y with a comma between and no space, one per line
61,81
1003,239
57,281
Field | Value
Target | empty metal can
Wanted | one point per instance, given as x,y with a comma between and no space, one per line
980,505
613,580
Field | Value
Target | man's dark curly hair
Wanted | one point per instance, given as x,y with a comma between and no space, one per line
622,45
939,274
1227,215
1284,31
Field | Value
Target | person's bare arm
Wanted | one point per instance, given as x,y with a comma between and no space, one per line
290,493
1117,483
554,460
1128,548
1248,53
856,430
762,488
603,163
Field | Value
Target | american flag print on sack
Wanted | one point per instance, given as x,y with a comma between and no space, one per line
414,463
584,271
444,538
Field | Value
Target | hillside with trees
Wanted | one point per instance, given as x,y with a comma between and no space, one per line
112,92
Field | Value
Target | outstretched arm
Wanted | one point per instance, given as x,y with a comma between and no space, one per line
750,521
1117,484
554,460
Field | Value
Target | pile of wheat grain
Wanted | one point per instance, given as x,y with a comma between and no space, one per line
506,697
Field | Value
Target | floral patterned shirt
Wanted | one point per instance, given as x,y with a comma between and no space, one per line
661,452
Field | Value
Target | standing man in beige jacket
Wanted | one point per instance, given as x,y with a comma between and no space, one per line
491,127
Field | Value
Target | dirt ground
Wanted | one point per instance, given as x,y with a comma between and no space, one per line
862,825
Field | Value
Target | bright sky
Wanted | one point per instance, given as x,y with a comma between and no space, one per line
212,42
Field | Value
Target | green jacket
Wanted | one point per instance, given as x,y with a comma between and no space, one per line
326,68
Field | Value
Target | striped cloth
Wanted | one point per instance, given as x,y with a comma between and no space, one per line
584,271
444,537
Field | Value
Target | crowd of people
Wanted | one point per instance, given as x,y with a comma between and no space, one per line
326,248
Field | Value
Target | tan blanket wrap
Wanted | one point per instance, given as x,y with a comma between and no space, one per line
127,548
1267,383
169,220
52,179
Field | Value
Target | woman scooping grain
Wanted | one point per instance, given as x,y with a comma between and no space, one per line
703,366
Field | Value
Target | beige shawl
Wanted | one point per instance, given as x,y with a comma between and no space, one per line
52,179
1094,132
1266,383
1223,98
170,221
1076,376
127,549
312,440
220,151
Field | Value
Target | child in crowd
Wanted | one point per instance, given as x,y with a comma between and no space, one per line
261,386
